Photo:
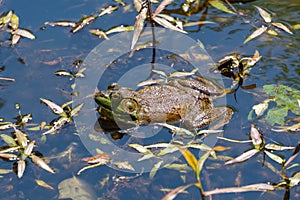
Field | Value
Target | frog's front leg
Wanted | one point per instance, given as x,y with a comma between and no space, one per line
216,117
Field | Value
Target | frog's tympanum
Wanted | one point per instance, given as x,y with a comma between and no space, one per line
188,101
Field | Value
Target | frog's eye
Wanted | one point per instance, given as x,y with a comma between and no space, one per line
129,105
113,86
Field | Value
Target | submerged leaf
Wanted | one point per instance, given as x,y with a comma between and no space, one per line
264,14
61,23
171,195
124,165
256,33
41,163
44,184
76,110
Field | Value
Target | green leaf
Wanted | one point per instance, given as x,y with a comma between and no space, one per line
276,115
154,169
220,5
274,157
9,140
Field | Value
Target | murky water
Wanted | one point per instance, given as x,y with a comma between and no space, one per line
33,63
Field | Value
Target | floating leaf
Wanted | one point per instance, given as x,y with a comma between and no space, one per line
155,168
256,33
63,73
41,163
178,167
124,165
183,74
295,127
6,125
15,39
283,27
150,82
108,10
85,20
76,110
54,107
294,155
255,136
200,164
28,150
163,22
139,25
24,33
6,18
99,158
118,29
260,108
140,148
21,138
99,33
244,156
295,179
14,22
44,184
190,158
277,147
274,157
8,156
75,189
63,23
220,5
162,6
264,14
21,168
272,32
5,171
57,125
296,26
9,140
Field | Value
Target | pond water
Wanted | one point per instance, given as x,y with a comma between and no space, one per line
33,63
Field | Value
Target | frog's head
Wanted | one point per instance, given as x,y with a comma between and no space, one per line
118,104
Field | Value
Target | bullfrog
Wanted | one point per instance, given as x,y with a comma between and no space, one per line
188,101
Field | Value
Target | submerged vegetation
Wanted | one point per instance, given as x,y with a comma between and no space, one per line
277,111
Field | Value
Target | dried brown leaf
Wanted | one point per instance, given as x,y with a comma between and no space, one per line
244,156
255,34
283,27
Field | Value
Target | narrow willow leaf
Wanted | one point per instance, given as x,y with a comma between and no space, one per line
108,10
293,128
275,157
63,73
190,158
170,149
154,169
21,168
150,82
294,155
29,148
8,140
8,156
24,33
247,188
138,4
139,25
6,18
119,29
15,39
54,107
255,136
264,14
5,171
177,130
14,22
256,33
178,167
244,156
99,33
183,74
283,27
163,22
296,26
41,163
76,109
6,125
21,138
124,165
63,23
272,32
99,158
162,6
140,148
172,195
295,179
201,162
202,147
160,72
43,184
89,167
57,125
85,20
277,147
146,157
220,5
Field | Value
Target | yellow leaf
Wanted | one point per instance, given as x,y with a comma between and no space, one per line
189,157
220,5
44,184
